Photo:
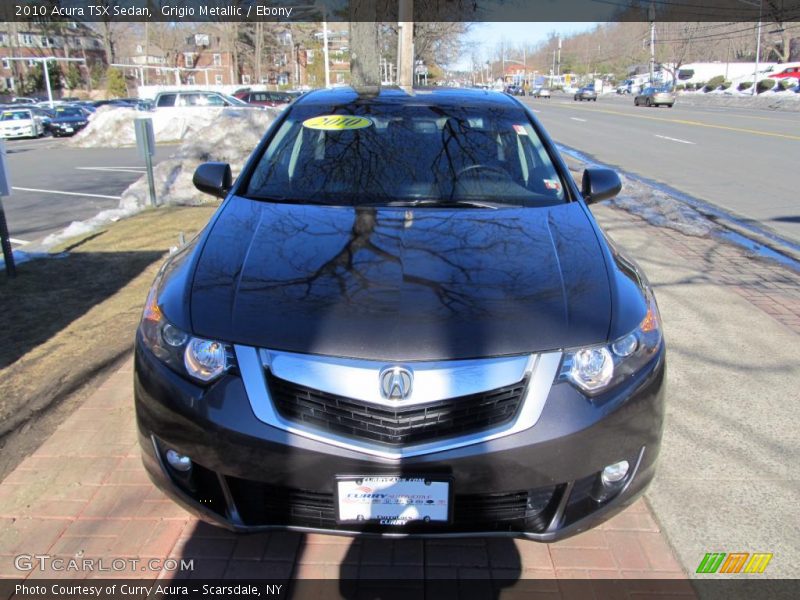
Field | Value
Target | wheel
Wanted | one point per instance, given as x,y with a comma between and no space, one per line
669,105
595,99
636,102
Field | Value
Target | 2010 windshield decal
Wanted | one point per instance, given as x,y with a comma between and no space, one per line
337,122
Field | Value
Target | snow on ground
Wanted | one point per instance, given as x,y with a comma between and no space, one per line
229,137
787,100
112,127
659,208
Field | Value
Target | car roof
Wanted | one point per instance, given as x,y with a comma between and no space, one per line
439,96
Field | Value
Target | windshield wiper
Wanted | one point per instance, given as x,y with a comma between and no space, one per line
444,203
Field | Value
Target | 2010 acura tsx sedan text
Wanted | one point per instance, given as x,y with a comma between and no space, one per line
403,319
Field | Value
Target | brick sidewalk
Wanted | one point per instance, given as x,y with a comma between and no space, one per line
84,495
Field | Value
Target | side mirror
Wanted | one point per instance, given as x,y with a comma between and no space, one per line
213,178
600,184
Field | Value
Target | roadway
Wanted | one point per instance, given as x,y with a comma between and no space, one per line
54,184
744,161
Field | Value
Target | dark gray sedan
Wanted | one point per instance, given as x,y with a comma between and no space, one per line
655,96
586,93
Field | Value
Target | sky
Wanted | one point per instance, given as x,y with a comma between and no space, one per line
489,35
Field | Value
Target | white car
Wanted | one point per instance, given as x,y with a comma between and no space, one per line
19,123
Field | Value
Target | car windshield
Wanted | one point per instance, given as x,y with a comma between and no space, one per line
15,115
375,154
69,112
234,101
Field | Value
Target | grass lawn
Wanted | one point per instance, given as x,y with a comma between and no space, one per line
67,321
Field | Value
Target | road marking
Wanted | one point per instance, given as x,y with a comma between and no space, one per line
22,189
672,139
137,170
577,119
694,123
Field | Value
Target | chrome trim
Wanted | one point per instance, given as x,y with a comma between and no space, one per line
540,368
360,379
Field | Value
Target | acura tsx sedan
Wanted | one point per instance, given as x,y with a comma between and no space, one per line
403,319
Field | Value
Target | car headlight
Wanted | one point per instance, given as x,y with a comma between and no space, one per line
198,358
596,369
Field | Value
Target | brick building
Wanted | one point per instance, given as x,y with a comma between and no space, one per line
32,40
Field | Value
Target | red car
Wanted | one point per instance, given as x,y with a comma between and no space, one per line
784,72
264,98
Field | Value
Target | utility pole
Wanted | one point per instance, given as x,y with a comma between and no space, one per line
558,67
325,49
405,44
758,47
652,15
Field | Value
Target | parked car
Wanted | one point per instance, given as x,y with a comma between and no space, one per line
197,98
655,96
542,92
515,90
264,98
403,318
19,123
586,93
68,120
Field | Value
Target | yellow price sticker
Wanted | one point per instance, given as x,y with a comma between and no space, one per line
337,122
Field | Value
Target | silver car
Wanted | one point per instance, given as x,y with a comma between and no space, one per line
542,92
655,96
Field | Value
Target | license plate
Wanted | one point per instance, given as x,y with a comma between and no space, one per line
392,501
68,129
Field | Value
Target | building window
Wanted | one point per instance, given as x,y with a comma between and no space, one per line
6,63
188,59
190,80
310,57
201,39
9,83
217,60
139,48
3,39
31,62
25,39
218,79
340,78
246,79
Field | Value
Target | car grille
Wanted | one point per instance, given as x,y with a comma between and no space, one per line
262,504
400,425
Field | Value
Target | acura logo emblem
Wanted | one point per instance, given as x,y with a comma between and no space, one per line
396,383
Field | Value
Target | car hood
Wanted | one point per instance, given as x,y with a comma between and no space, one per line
401,284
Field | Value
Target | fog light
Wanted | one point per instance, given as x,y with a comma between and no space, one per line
179,462
614,473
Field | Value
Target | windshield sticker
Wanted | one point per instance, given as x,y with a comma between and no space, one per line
337,122
552,184
520,130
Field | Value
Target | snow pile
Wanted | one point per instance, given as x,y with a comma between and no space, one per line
112,127
787,100
77,228
230,137
661,209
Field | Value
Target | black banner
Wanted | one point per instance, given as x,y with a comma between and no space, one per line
189,11
407,589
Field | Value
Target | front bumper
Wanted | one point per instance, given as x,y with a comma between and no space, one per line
540,483
18,133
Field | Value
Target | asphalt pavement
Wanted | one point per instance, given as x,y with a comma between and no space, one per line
741,160
55,184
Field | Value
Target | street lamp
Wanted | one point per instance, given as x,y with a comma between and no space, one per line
44,60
